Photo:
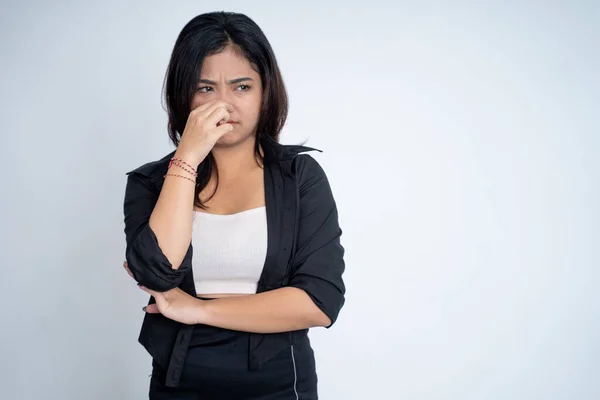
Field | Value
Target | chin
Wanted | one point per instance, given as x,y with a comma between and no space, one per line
232,139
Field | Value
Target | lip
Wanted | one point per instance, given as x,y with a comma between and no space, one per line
228,122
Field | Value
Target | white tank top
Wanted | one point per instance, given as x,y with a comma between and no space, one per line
229,251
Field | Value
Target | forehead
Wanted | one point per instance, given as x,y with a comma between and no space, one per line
229,64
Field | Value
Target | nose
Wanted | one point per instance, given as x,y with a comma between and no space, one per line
225,95
227,99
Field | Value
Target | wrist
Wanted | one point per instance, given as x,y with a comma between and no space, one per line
201,312
188,158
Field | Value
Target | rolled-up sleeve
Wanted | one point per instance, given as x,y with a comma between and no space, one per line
148,264
319,259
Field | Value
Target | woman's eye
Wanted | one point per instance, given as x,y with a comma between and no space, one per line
205,89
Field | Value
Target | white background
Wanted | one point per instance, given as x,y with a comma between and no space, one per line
461,141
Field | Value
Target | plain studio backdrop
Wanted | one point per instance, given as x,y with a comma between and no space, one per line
461,141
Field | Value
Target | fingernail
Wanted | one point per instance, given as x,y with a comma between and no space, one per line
144,308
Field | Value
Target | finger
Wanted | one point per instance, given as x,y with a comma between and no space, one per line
204,106
221,130
149,291
219,114
208,108
152,309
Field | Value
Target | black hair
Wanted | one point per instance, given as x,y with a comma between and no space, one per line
209,34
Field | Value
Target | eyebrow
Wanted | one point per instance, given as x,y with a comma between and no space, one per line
231,82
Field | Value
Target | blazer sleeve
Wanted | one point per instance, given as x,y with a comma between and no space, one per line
318,263
147,262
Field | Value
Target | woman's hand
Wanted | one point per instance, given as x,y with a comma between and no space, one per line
205,125
174,304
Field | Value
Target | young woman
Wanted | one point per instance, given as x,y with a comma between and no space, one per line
234,235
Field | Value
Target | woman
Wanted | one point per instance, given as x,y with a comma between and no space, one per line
234,236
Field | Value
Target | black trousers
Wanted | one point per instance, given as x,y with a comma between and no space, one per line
216,368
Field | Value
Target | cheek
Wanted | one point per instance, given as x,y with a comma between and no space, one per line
196,102
249,108
255,105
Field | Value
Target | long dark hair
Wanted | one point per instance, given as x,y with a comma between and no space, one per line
206,35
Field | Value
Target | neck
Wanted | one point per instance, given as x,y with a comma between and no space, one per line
234,161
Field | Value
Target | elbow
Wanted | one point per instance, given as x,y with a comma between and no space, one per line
325,300
148,276
316,315
321,319
151,268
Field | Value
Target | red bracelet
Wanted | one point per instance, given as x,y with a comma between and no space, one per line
177,162
180,160
180,176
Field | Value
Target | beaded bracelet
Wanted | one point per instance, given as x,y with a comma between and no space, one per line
180,176
183,162
176,162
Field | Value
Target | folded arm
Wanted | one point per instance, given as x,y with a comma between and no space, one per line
315,293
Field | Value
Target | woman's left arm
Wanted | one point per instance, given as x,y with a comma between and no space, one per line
279,310
316,290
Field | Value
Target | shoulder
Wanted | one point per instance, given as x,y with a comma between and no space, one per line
306,166
311,177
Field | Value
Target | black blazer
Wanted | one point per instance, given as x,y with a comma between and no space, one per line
304,250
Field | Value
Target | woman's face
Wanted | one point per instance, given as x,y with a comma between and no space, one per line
229,77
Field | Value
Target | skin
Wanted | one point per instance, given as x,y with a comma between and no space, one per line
230,90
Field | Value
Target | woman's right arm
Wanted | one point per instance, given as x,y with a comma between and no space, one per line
171,219
158,230
147,260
